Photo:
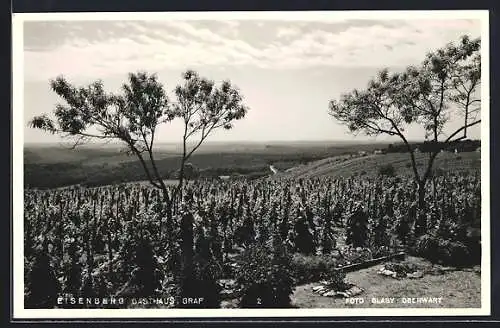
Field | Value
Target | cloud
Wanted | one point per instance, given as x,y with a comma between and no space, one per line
98,49
284,32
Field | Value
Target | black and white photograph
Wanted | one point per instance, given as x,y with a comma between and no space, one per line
240,164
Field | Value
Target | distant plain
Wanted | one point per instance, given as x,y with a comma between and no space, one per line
56,165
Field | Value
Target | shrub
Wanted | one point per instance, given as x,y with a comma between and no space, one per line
387,170
454,253
266,277
403,229
357,228
199,280
427,246
382,251
73,269
312,268
401,268
351,255
473,242
304,241
147,276
202,283
381,236
336,281
443,251
43,285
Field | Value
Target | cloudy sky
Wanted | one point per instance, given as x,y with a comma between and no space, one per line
287,70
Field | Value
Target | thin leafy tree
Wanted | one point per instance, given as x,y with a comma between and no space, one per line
204,108
133,117
447,82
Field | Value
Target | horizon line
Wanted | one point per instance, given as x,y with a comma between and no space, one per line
243,141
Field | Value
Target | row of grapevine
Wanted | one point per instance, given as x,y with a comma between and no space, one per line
117,240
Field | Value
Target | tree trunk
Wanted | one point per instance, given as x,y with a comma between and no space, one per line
110,255
187,245
421,220
181,177
169,224
181,169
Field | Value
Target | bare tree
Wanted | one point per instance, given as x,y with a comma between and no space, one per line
446,82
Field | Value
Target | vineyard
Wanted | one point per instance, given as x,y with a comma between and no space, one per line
249,241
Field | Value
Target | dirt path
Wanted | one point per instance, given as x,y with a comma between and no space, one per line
456,289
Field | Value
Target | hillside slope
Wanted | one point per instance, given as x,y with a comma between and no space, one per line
371,164
52,166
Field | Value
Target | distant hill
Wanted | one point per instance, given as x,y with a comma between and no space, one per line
370,165
47,166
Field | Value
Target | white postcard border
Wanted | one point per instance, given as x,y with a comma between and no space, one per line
19,312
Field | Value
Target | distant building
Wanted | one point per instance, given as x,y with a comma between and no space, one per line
417,150
362,153
235,176
378,151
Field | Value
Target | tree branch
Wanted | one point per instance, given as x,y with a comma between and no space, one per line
143,163
459,130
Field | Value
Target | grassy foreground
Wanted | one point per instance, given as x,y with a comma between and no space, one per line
458,289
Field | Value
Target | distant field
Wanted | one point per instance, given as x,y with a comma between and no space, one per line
55,166
95,154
